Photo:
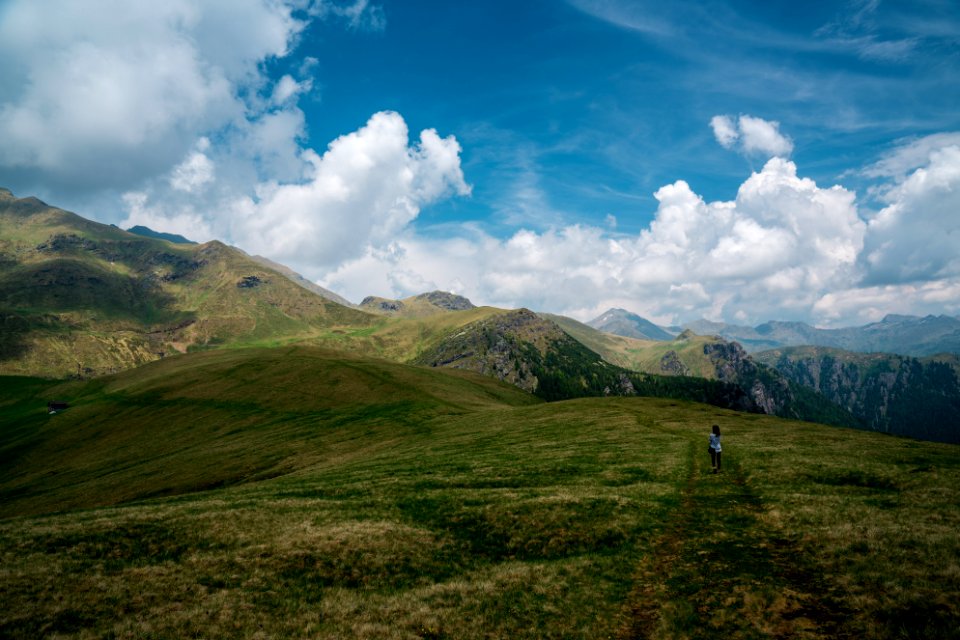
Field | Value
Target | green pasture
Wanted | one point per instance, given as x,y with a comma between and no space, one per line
302,493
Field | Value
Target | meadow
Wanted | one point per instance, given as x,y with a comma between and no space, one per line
304,493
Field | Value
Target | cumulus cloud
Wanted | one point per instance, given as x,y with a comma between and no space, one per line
910,155
368,186
725,131
287,89
859,305
114,79
751,135
184,221
114,95
195,171
784,248
778,247
916,237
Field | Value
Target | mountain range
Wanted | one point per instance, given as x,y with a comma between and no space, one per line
196,442
82,299
905,335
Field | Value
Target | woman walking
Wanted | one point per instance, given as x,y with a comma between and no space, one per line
715,448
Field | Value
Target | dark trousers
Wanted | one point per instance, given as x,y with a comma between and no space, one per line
715,458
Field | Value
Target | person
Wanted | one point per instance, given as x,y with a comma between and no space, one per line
715,448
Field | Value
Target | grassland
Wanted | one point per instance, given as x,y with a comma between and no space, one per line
312,494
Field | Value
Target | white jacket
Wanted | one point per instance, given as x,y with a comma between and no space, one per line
715,442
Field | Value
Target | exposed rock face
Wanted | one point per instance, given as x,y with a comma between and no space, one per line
381,304
624,387
249,282
670,364
893,394
448,301
506,346
768,389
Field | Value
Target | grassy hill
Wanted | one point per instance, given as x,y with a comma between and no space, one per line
257,411
301,492
81,298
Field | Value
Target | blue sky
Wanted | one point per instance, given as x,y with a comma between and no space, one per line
604,113
740,161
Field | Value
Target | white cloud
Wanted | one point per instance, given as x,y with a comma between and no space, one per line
195,171
113,78
910,155
184,221
861,305
781,245
724,130
364,190
755,136
763,136
916,237
287,89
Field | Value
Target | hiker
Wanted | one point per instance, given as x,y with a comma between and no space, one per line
715,448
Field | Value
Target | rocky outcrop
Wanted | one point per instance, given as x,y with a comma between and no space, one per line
535,354
249,282
448,301
771,391
382,305
671,365
507,346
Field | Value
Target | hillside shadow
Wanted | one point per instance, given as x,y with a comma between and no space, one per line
13,333
66,284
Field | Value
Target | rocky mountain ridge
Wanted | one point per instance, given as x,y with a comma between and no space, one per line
419,306
893,394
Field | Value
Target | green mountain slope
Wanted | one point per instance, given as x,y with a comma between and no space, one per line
301,493
82,299
78,297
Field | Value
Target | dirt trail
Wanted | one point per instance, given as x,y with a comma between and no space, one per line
718,571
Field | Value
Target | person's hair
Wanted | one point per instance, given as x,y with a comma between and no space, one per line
716,429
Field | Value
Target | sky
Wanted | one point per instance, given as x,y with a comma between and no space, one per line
722,159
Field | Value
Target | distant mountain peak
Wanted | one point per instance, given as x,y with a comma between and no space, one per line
624,323
147,232
903,334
